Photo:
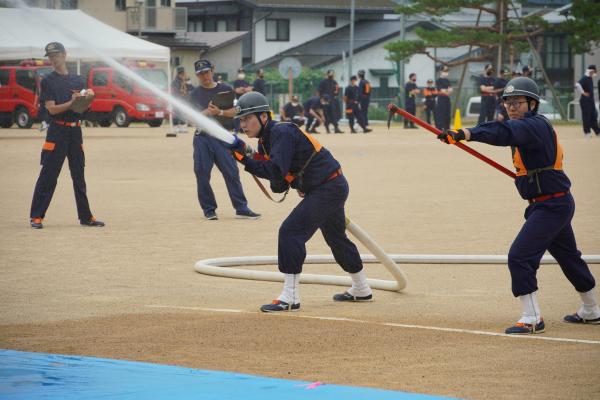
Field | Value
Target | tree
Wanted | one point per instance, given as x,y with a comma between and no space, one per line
504,32
582,28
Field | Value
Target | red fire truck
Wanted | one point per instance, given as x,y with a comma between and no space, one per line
122,101
19,91
118,98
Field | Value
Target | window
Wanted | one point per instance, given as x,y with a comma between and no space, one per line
330,22
26,79
278,30
120,5
123,82
384,82
50,4
4,74
68,4
100,79
556,53
165,3
221,25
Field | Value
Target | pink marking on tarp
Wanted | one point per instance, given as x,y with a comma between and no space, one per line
313,385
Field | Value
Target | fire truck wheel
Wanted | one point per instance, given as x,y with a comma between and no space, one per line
121,118
155,123
23,118
6,122
105,123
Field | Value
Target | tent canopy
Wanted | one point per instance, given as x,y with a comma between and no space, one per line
24,32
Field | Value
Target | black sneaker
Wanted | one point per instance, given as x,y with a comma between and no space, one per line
576,319
36,223
521,328
348,297
92,222
278,305
211,216
367,130
247,215
353,131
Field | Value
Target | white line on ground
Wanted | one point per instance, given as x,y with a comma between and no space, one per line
408,326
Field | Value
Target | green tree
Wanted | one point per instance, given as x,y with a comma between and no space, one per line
581,27
509,33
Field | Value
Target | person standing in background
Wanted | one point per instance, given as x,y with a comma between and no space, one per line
443,106
410,93
364,95
488,95
589,115
330,87
259,82
499,85
430,93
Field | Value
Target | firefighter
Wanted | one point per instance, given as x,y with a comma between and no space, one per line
351,95
589,115
64,139
442,107
364,95
330,87
538,160
429,93
287,156
410,93
488,95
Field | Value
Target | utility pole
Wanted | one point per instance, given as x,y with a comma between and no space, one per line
401,66
351,50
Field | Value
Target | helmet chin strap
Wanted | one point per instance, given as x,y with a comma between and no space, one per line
262,126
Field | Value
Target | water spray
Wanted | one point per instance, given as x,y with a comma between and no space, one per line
201,121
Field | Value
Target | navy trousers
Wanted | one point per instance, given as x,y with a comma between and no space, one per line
411,108
209,151
442,112
429,110
547,227
364,109
488,108
322,208
589,116
352,112
61,142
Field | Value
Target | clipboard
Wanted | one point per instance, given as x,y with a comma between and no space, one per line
224,100
81,104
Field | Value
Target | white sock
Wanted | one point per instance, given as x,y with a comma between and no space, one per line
589,305
291,290
360,287
531,309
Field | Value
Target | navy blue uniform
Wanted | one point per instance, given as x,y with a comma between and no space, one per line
332,110
364,98
61,142
430,93
352,107
313,103
209,151
488,100
500,83
259,86
410,103
322,207
589,115
294,113
548,220
442,108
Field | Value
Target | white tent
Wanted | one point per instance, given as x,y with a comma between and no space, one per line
24,32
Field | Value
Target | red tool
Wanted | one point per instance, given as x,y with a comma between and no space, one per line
394,109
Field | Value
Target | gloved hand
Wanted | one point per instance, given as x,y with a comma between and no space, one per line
451,136
279,185
240,150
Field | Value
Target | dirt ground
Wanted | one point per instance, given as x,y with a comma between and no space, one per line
129,290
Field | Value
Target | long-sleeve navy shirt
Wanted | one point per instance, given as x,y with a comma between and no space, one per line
288,149
587,84
60,89
534,137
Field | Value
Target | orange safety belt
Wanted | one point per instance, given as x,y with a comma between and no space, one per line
522,170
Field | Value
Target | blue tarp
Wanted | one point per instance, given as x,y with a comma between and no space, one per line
50,376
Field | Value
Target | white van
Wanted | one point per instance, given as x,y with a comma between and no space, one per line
546,109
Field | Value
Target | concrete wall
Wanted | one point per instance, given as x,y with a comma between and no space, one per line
303,28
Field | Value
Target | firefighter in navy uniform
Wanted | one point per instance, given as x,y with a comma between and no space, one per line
59,91
488,95
351,94
537,156
288,156
442,107
330,87
499,85
410,92
429,93
364,95
589,115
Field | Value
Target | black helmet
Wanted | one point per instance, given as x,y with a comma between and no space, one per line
522,86
251,103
